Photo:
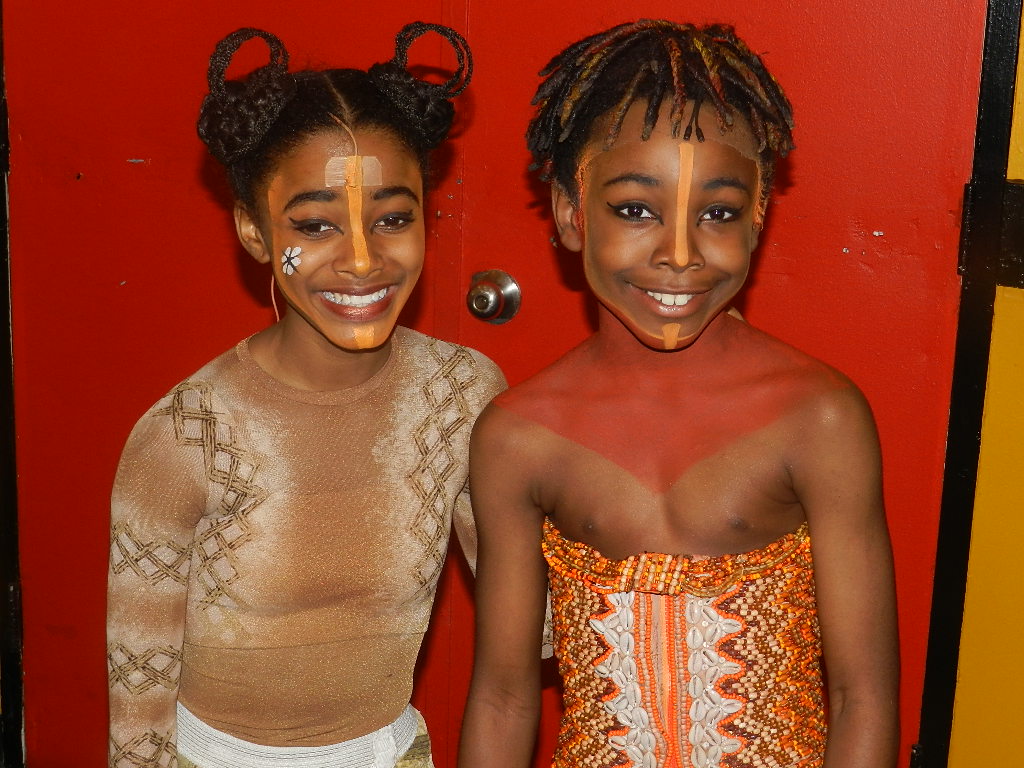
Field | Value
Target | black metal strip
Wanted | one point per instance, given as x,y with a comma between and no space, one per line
980,249
11,691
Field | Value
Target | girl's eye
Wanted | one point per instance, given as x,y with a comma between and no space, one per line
394,222
314,228
634,212
720,213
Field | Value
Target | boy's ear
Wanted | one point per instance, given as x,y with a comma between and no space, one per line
249,234
567,218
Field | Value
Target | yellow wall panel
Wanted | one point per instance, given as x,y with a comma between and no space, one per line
990,676
1015,161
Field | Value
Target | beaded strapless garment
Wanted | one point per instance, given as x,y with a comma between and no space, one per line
687,662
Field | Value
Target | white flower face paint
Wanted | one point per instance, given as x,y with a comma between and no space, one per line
290,260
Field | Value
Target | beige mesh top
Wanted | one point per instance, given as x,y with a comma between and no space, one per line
274,552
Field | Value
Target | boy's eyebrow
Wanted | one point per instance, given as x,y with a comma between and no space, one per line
650,181
399,189
635,178
725,181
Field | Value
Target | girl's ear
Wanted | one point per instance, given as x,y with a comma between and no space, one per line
567,218
249,234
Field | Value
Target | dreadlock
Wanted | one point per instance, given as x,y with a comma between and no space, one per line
655,60
249,124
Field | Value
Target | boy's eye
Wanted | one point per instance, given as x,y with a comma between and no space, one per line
314,228
719,213
634,212
394,222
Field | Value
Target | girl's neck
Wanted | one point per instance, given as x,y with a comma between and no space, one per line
297,355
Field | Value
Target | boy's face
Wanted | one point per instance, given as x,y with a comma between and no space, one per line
666,226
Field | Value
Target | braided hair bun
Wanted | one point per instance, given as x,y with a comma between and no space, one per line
426,106
235,116
247,127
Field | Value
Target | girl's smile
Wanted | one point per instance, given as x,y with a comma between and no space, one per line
342,226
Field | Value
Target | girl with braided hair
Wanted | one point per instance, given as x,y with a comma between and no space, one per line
702,501
280,518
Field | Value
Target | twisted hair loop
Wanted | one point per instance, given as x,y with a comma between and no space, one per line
236,115
426,105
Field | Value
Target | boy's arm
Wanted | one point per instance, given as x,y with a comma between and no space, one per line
837,476
502,712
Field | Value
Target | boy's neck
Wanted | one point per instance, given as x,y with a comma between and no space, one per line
614,344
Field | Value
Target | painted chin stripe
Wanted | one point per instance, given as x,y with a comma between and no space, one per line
670,335
364,336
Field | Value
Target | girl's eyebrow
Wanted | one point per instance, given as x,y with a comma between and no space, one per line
313,196
329,196
385,192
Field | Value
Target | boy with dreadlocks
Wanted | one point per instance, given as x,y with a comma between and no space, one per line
703,501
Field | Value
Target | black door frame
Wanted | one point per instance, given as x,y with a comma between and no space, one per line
11,691
991,242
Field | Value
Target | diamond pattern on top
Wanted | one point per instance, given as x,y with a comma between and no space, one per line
150,750
140,671
440,457
228,466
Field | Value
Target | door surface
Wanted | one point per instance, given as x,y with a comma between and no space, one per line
127,276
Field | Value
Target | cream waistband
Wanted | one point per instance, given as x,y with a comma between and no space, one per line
209,748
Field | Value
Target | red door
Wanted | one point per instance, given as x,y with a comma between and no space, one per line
127,277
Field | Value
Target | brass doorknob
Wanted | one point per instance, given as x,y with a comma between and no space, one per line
493,296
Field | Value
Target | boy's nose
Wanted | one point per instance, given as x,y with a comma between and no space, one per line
684,252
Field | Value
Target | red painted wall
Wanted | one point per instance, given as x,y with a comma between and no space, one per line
126,274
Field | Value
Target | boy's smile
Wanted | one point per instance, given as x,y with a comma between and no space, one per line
666,226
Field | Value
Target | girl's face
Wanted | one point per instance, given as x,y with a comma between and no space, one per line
341,223
666,226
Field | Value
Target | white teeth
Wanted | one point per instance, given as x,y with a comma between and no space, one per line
671,299
350,300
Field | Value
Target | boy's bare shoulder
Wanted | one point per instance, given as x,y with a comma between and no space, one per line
820,394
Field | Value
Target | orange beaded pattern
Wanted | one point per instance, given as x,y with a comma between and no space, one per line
687,662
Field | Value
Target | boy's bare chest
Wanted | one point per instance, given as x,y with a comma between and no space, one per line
676,494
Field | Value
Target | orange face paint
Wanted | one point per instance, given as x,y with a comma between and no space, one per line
353,172
670,334
681,254
365,336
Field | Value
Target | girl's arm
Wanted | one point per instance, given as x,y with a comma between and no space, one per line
156,503
837,476
500,724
